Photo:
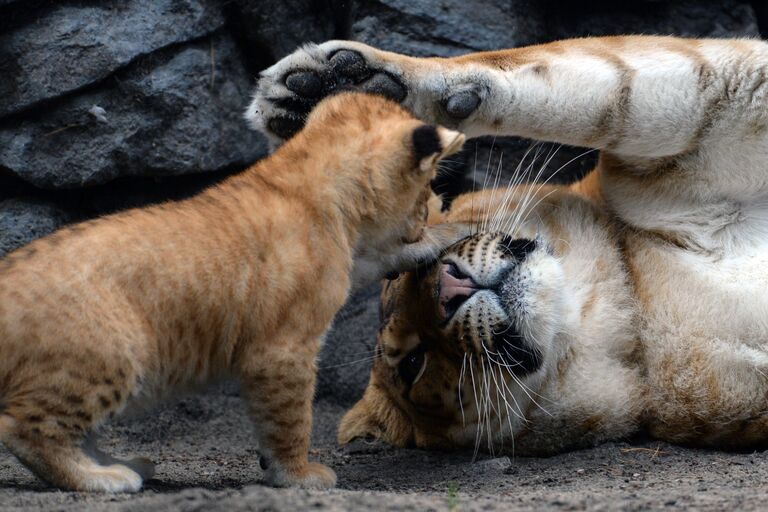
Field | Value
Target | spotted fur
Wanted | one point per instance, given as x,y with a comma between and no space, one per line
645,293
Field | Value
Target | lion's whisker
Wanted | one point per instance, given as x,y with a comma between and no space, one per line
461,381
516,179
478,430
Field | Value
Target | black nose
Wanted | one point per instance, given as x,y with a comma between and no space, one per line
517,248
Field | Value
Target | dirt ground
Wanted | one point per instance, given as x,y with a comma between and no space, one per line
206,460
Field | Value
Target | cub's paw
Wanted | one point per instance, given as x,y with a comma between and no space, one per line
311,476
115,478
287,91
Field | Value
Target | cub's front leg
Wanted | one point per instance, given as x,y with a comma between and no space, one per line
278,384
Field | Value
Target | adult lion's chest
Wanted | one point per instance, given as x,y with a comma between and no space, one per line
703,330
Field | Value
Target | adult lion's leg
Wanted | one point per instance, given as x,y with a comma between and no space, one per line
635,96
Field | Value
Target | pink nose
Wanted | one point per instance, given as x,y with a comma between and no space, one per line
455,288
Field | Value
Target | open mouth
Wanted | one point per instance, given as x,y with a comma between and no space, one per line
456,288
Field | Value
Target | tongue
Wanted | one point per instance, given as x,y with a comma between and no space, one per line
452,287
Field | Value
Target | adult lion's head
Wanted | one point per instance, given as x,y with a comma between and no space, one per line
476,347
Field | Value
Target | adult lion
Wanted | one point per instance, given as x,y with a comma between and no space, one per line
635,298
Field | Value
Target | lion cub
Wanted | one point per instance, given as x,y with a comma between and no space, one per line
241,280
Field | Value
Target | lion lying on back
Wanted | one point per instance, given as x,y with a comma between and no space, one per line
634,299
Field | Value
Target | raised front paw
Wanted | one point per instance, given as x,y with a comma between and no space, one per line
287,91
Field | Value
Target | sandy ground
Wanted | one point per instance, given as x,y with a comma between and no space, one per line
206,461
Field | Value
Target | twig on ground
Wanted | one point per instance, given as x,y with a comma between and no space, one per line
655,452
58,130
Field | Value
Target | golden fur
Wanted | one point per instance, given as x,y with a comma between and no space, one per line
242,280
631,300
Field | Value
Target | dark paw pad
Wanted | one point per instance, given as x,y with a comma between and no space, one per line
285,127
304,83
350,65
462,104
343,70
385,85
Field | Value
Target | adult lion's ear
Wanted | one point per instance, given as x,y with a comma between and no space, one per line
431,143
375,416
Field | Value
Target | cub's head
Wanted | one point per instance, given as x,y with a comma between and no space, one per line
385,160
464,343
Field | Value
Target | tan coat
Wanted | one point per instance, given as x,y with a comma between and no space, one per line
242,280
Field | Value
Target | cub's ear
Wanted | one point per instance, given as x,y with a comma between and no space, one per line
431,143
374,416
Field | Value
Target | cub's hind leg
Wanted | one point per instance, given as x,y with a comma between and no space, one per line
57,452
279,387
51,411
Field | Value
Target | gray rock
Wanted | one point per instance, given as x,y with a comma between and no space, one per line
445,27
688,18
174,112
280,26
453,27
65,47
23,220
